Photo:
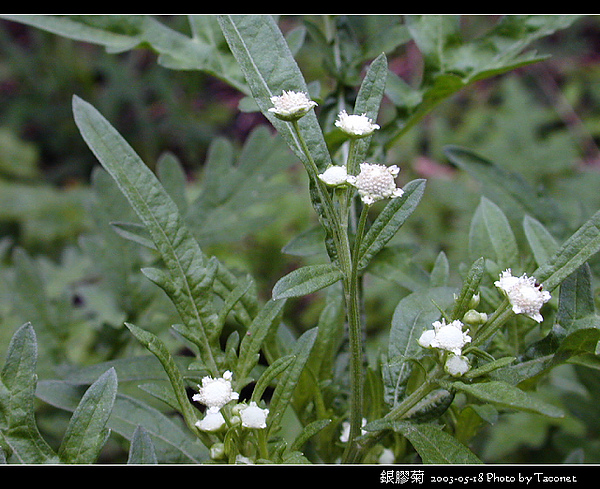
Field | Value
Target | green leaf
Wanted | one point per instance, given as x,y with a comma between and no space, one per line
542,243
515,196
270,374
142,449
118,33
492,237
573,253
18,428
387,223
173,443
306,280
434,445
269,67
185,262
576,299
507,396
469,289
288,381
158,348
414,314
265,321
307,432
86,432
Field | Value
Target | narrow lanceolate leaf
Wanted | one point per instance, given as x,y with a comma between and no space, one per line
269,68
263,323
158,348
306,280
288,380
87,432
508,396
433,445
573,253
436,446
180,252
18,428
391,218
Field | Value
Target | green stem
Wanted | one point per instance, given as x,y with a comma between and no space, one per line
356,349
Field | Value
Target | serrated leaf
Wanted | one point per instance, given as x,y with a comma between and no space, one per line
86,433
179,250
306,280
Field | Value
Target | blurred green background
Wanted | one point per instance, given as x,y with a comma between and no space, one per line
542,121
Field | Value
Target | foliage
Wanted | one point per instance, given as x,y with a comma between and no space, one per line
328,333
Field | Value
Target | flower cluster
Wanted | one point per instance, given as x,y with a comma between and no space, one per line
376,182
290,105
450,338
524,293
216,393
356,126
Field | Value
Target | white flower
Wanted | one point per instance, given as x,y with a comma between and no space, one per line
212,421
215,393
291,105
253,416
376,182
355,125
457,365
345,436
524,293
444,336
335,175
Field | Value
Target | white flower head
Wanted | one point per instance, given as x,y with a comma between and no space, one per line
213,421
358,126
253,417
376,182
215,393
524,293
449,337
291,105
335,175
457,365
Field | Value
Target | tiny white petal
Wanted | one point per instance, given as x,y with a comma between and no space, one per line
524,294
355,125
254,417
291,105
376,182
215,393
